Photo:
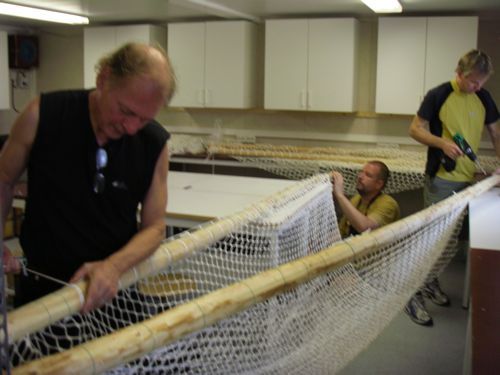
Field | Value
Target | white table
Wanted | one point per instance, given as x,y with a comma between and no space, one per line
194,198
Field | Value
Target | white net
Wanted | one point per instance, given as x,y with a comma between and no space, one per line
278,293
181,144
296,163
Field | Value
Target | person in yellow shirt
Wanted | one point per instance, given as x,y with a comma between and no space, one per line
370,208
461,106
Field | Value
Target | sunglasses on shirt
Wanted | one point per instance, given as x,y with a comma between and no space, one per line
101,161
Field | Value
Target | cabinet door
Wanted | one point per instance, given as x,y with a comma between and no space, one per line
332,65
4,72
97,41
286,64
229,76
186,49
400,64
448,38
132,33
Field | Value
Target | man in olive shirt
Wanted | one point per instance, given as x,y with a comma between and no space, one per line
370,208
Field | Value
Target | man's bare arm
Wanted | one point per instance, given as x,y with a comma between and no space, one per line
359,221
419,131
13,162
104,275
494,131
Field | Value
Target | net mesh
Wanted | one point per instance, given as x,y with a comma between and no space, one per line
316,326
296,163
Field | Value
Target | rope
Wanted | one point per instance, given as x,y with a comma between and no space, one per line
58,281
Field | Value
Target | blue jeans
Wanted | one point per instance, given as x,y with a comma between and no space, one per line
436,189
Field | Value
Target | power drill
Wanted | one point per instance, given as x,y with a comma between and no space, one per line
449,164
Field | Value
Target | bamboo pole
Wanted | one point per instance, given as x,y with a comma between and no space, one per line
357,159
68,300
382,236
235,147
132,342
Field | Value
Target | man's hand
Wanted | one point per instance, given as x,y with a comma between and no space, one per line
338,183
10,263
103,278
480,176
451,149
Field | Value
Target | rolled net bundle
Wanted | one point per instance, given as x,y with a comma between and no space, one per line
279,293
180,144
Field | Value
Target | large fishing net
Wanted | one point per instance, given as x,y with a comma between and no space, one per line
269,290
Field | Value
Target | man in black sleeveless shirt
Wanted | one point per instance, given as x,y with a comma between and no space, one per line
93,157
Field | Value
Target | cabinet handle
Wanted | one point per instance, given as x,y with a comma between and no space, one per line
309,99
201,95
207,96
303,99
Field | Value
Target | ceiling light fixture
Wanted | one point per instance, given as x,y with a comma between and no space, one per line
384,6
41,14
216,9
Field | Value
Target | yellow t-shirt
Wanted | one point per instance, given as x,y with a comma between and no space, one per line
383,210
464,114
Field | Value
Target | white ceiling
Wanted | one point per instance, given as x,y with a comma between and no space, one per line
163,11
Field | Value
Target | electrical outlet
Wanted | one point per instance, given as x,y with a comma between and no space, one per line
13,78
20,79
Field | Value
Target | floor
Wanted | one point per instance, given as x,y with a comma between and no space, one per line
408,348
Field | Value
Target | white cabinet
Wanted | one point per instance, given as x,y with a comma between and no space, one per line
99,41
214,63
4,72
311,64
416,54
448,39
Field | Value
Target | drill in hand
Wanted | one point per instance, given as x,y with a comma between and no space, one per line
449,163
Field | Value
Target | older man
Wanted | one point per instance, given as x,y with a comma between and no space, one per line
370,208
92,156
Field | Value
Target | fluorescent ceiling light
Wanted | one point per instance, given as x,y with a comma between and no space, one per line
41,14
384,6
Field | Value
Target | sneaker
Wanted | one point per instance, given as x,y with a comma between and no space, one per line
432,291
415,309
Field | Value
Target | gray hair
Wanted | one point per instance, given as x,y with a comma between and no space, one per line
134,59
